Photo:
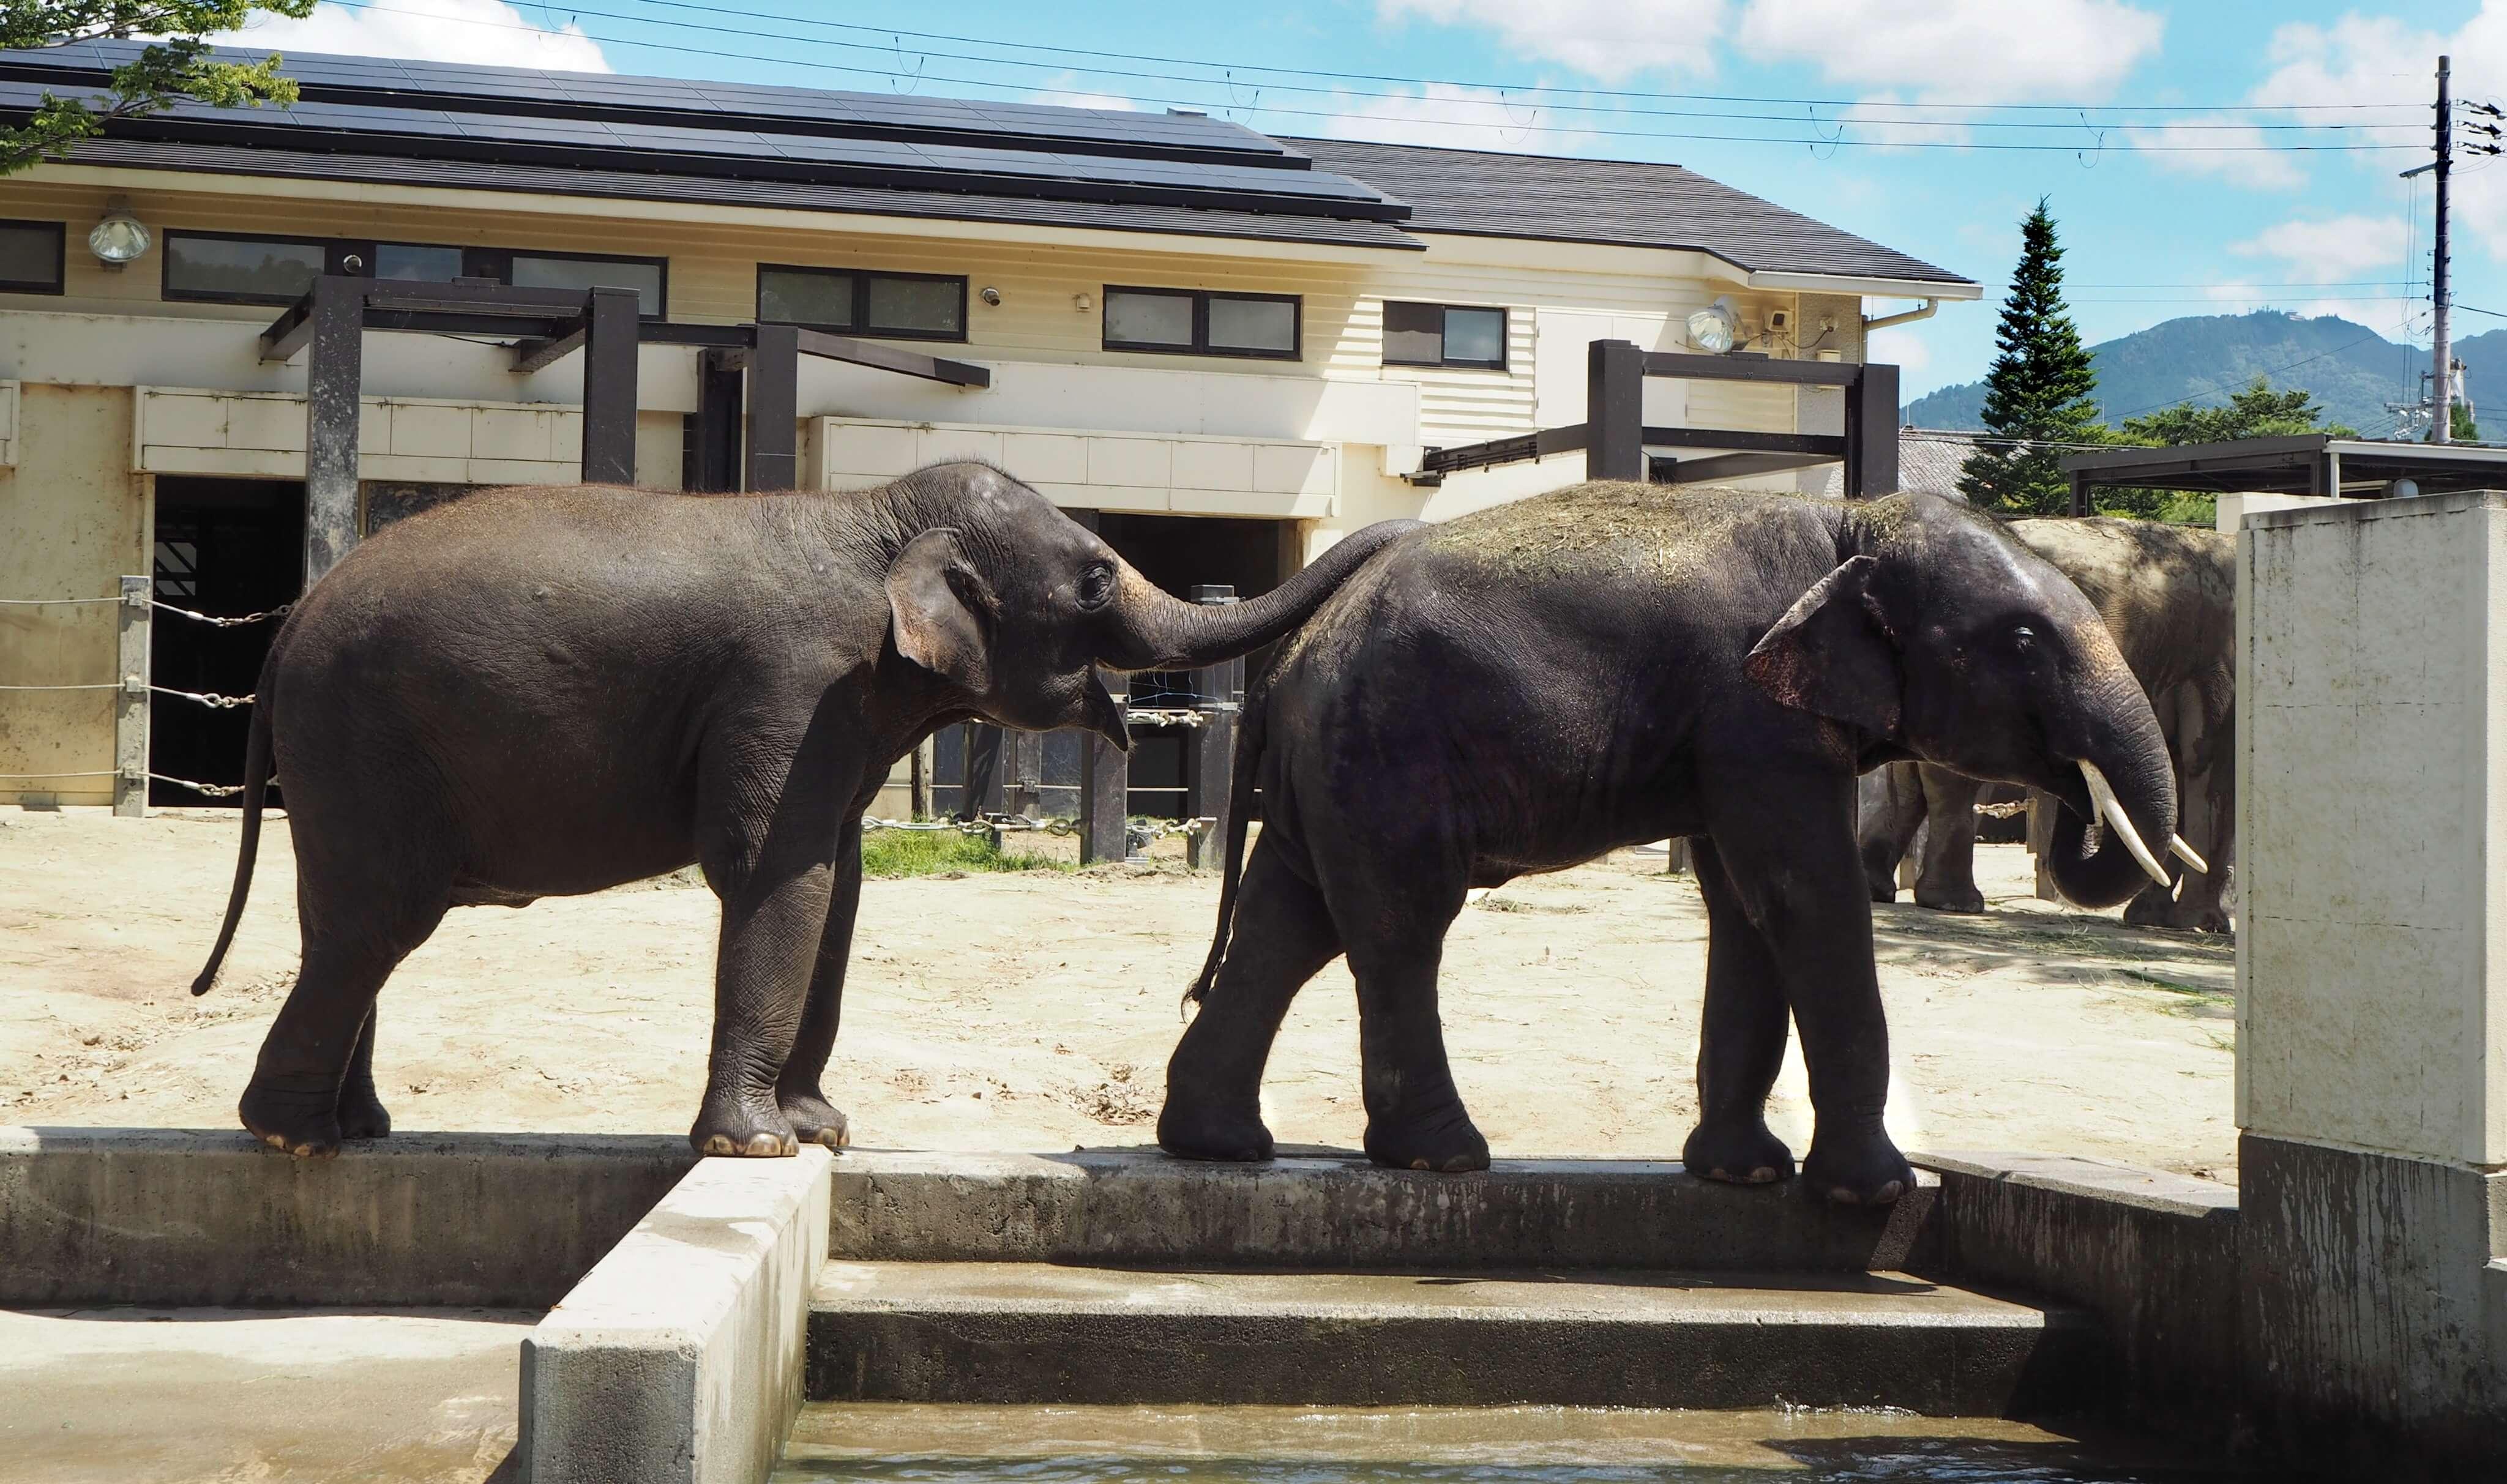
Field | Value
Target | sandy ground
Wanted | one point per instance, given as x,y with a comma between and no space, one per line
1035,1010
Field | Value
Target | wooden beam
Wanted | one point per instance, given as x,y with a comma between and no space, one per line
1827,444
860,352
1751,368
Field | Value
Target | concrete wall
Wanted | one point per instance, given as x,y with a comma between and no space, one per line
73,521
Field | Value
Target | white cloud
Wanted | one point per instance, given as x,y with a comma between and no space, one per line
1877,120
1065,91
1609,40
487,32
1904,346
1970,51
2216,144
2340,249
1456,118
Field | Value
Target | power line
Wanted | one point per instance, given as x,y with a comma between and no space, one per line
1821,142
1527,87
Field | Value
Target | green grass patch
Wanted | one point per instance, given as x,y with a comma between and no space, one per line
889,855
2206,1004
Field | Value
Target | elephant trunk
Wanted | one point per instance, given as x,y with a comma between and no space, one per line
1153,630
2123,780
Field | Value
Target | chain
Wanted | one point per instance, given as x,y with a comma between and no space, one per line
215,703
225,623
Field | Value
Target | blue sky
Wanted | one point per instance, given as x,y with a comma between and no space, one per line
2168,123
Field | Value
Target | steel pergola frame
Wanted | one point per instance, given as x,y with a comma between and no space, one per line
2307,464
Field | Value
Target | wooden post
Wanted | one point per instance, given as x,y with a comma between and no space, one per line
1210,757
334,371
1104,792
131,703
918,781
1613,410
1024,788
1871,433
774,408
609,386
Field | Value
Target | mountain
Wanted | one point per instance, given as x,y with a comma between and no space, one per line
2352,370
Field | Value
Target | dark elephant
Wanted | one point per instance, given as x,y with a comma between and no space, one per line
2169,595
544,692
1527,687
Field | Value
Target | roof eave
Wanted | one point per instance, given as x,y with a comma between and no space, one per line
1959,289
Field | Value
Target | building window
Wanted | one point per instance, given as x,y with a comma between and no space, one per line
30,257
241,270
890,306
1198,322
1444,335
229,268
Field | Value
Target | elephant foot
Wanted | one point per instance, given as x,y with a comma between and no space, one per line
1883,895
742,1128
814,1120
1737,1152
1858,1170
362,1115
2154,908
1444,1141
303,1123
1192,1132
1966,899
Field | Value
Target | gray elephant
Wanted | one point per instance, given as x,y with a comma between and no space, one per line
1527,687
543,692
2169,595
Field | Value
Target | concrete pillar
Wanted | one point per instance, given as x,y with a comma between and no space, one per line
1614,410
984,781
334,371
1871,433
2372,978
609,387
1104,792
774,408
131,703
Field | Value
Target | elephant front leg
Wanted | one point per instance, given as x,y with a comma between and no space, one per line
797,1092
1741,1045
1946,880
1794,872
772,924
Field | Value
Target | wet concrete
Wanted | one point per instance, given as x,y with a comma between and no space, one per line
131,1396
1289,1445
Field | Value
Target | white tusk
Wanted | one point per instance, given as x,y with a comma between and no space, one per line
2177,848
2113,812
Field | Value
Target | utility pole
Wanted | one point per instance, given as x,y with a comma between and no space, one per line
2441,422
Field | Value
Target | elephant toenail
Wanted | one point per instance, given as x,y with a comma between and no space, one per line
1889,1193
1764,1174
1719,1172
1418,1163
1844,1197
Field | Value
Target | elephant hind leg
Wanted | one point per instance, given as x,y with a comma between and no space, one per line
1948,882
362,1115
1741,1041
313,1083
1283,936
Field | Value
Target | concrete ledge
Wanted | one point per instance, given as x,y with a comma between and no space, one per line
2153,1256
679,1357
199,1217
1139,1206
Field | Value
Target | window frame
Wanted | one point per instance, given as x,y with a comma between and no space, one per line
862,328
1201,344
61,261
1505,336
496,263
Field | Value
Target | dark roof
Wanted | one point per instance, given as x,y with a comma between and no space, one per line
634,185
673,139
2301,463
1482,193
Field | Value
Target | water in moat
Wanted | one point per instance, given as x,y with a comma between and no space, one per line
932,1444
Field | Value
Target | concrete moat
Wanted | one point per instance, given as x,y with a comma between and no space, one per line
839,1444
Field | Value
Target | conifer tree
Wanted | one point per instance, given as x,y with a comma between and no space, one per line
2038,388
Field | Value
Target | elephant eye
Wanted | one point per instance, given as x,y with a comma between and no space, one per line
1096,585
2021,638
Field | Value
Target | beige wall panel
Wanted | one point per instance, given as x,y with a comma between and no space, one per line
73,521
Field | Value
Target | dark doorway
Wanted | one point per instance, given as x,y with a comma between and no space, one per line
224,547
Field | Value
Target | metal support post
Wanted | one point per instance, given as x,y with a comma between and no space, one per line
609,387
334,370
982,793
1613,410
774,408
1210,753
1104,792
1023,788
1871,433
131,703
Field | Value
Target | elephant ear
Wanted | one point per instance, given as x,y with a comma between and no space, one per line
941,610
1832,654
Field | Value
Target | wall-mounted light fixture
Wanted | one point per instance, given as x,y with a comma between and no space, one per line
1082,302
1715,328
119,239
990,295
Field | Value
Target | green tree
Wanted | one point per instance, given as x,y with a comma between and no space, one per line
170,71
2039,390
2460,427
2256,412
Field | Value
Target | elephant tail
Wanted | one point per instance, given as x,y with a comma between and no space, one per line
256,781
1240,796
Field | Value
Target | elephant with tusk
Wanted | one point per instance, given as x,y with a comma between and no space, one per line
542,692
1535,685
